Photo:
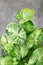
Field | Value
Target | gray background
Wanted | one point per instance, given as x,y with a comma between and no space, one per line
8,9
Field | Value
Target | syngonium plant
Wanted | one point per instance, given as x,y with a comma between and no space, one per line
21,43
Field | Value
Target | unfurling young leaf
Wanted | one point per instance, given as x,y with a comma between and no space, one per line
25,15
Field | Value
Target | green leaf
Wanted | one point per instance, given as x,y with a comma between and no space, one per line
23,61
40,61
23,50
15,34
3,40
4,52
13,51
35,38
15,62
7,61
28,27
24,15
16,51
36,56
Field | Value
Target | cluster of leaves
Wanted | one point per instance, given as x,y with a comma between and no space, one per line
20,45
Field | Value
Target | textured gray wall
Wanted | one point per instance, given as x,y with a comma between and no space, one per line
8,9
